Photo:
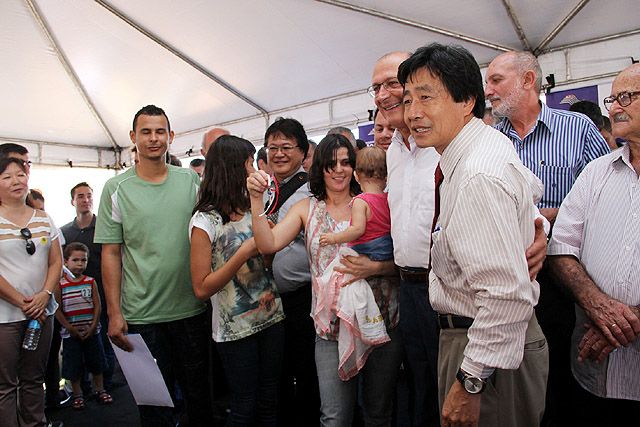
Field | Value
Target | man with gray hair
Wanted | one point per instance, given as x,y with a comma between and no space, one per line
555,145
346,132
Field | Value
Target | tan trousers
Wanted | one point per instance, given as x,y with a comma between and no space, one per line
512,398
22,375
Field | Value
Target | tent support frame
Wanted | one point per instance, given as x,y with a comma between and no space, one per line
37,15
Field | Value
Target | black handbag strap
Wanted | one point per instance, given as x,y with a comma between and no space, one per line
287,189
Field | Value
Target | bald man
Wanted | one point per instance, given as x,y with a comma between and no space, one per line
210,137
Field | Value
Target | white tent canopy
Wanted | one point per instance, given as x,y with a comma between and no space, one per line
74,72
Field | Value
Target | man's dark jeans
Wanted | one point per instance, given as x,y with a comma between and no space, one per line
181,350
418,324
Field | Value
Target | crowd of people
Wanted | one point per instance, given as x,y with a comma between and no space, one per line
302,287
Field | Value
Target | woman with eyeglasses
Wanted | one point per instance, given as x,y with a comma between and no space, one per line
30,268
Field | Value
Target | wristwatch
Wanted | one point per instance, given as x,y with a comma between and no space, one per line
472,385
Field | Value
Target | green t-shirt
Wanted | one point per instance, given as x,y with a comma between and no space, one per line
151,222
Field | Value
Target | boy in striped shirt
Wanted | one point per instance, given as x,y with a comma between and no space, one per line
80,319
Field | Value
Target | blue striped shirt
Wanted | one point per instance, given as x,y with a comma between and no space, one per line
556,150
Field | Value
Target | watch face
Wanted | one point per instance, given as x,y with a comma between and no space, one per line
473,385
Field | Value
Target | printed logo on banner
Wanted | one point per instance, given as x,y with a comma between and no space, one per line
564,99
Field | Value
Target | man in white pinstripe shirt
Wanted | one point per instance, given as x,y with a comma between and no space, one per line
595,250
492,360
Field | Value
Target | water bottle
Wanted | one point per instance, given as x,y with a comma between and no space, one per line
32,336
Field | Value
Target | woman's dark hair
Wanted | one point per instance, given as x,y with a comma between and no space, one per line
324,159
5,162
456,68
224,185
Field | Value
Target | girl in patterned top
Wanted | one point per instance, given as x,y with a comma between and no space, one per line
227,268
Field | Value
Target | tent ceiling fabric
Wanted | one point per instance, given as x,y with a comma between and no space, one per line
274,53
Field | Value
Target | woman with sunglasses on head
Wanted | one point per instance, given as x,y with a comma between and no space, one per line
227,268
329,210
30,268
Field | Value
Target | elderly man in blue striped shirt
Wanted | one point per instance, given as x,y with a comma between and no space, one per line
595,253
555,145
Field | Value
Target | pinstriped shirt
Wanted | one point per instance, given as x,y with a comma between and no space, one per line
556,150
479,266
599,224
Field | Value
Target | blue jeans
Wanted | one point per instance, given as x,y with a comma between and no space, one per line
378,378
181,350
418,324
252,366
379,249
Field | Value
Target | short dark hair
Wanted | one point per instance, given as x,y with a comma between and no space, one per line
9,147
173,160
150,110
360,144
591,110
262,155
78,185
456,68
324,159
75,246
195,163
36,194
289,128
6,161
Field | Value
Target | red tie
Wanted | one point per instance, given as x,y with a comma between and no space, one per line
439,177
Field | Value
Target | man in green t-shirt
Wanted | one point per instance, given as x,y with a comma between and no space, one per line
143,226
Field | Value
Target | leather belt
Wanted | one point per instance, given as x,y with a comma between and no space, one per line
453,321
414,274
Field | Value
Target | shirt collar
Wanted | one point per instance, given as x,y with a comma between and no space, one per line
545,117
287,179
622,155
91,225
459,146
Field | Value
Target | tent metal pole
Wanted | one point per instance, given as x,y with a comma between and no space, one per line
592,41
560,26
275,112
53,143
516,25
184,58
415,24
37,15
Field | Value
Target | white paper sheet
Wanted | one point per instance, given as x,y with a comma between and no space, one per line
142,374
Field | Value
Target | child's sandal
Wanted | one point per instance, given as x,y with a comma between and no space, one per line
78,402
104,398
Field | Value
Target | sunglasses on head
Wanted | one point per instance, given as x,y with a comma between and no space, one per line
26,235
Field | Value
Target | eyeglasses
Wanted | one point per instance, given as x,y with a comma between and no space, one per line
391,84
26,235
623,98
285,149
